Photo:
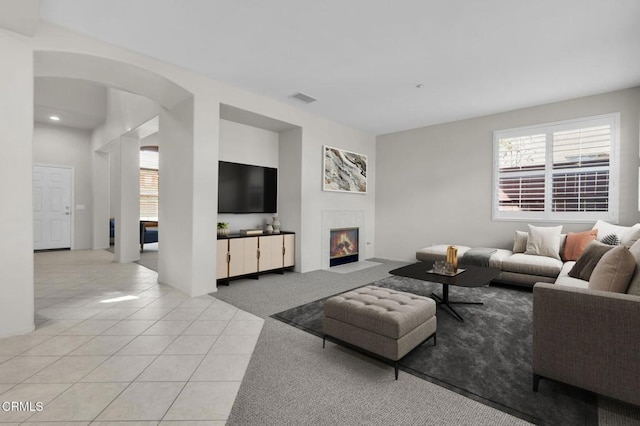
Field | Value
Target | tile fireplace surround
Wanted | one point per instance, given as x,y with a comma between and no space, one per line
333,219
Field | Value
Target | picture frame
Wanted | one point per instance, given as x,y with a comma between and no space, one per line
344,171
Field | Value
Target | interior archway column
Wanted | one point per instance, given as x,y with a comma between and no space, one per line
127,200
16,171
188,195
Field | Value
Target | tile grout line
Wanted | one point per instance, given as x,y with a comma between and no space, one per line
65,286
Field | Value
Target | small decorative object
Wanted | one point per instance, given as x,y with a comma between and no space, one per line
269,228
223,229
344,171
276,225
452,258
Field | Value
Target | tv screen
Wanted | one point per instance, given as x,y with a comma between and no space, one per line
243,188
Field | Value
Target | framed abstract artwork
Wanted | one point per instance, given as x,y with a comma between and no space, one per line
344,171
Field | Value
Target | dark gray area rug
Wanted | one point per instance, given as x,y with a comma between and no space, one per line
487,357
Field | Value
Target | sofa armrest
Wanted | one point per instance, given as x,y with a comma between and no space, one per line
588,338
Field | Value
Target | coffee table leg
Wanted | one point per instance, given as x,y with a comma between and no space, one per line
444,300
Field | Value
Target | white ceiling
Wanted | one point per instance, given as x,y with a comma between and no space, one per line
79,104
362,59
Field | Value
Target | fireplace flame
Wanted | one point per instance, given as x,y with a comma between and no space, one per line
344,243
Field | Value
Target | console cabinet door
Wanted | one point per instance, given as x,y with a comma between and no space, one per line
276,251
236,257
222,267
266,249
250,254
289,250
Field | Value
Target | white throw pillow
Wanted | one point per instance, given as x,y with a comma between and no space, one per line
627,234
632,236
544,241
520,242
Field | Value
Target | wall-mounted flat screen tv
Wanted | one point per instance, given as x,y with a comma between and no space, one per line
243,188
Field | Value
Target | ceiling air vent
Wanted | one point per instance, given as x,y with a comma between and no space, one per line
303,98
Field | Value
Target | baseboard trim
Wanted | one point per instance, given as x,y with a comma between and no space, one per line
16,332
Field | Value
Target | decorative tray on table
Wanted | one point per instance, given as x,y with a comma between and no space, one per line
446,274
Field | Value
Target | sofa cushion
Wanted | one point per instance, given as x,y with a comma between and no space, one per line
532,265
495,261
572,282
614,271
628,234
588,260
438,252
576,242
544,241
565,280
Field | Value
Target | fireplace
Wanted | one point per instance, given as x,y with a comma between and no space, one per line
343,246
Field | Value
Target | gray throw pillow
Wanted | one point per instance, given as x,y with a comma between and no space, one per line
589,259
634,285
614,271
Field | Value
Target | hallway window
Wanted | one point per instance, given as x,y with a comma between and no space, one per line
149,183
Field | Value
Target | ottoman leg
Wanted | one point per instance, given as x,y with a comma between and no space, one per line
324,336
397,364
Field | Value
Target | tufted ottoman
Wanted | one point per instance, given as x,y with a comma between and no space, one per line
385,322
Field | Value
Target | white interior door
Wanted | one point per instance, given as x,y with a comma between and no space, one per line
51,207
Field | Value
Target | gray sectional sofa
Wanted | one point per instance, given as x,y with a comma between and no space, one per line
515,268
520,268
582,335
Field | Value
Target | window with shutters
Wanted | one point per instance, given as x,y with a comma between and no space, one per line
564,171
148,184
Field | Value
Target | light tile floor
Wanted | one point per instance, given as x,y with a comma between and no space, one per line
113,345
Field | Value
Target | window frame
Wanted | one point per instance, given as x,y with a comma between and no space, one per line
149,168
612,119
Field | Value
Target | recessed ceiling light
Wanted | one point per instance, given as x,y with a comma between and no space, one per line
419,86
54,118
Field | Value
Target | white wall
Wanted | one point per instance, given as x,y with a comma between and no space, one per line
62,53
435,183
240,143
290,186
301,199
16,215
63,146
124,111
101,196
315,201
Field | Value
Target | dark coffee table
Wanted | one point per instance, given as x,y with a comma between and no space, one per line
473,276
